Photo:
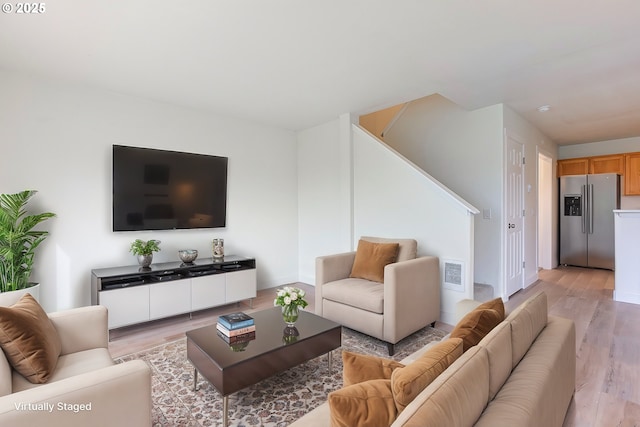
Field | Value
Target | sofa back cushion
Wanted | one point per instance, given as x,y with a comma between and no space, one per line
527,320
498,346
407,248
456,398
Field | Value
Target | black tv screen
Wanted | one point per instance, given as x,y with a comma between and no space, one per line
164,190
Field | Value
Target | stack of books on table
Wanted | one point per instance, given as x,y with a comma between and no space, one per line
236,328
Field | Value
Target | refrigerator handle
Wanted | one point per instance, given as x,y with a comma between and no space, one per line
590,199
584,208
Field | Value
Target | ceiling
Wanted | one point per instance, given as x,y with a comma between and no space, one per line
297,64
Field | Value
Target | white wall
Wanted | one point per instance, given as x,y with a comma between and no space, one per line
57,139
394,198
613,146
463,150
324,194
601,148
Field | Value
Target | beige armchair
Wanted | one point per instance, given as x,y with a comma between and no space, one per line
86,387
408,298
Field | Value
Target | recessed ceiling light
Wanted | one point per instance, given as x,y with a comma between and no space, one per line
544,108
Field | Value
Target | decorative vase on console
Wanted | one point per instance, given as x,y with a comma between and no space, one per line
145,260
218,249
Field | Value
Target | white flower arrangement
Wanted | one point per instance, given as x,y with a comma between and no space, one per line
290,296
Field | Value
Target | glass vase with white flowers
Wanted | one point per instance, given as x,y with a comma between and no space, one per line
291,299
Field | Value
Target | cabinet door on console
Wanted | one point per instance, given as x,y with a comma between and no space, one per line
241,285
207,291
126,306
169,299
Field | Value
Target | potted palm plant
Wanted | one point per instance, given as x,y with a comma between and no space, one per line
144,251
18,240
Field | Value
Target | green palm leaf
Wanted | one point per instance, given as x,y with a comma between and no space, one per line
18,239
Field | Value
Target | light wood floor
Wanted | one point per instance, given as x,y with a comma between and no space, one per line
608,340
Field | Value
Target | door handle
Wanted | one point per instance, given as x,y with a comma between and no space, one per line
512,225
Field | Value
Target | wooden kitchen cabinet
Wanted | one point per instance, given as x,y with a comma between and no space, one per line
632,174
573,166
607,164
613,163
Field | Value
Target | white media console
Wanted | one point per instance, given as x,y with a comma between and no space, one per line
134,295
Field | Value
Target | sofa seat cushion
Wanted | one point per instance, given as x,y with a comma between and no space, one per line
409,381
360,293
69,365
366,404
29,340
357,368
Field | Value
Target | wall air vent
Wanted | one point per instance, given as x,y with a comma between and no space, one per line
453,274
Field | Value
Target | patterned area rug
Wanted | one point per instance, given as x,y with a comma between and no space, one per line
277,401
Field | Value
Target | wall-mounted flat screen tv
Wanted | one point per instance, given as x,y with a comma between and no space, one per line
165,190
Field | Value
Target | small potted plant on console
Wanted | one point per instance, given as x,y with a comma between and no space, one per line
144,251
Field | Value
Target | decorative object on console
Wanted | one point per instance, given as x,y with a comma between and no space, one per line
144,250
18,240
290,299
218,248
188,255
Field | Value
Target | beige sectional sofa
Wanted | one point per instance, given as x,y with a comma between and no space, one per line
521,374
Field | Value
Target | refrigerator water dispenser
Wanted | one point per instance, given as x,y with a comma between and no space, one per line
573,205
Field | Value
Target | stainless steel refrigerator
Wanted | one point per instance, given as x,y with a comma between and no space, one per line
586,219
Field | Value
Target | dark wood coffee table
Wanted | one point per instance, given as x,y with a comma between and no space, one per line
268,354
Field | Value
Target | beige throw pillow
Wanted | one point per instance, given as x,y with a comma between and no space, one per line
371,258
29,339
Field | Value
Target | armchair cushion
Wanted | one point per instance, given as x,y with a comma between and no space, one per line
371,258
29,339
357,368
363,294
69,366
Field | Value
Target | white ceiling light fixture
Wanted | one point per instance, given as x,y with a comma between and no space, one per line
544,108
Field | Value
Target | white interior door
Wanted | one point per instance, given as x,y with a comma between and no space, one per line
514,218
